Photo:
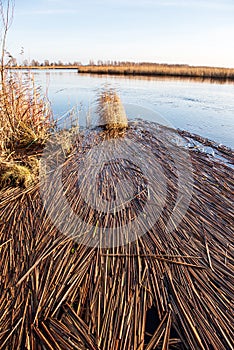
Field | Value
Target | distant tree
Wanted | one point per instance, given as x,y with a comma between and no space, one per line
46,63
25,63
11,60
34,63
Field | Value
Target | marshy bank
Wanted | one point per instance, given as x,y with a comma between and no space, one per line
167,70
164,289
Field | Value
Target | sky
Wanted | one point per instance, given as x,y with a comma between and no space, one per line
194,32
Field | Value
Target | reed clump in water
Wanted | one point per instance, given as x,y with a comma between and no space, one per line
111,111
165,290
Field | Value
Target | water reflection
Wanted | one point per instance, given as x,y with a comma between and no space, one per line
162,78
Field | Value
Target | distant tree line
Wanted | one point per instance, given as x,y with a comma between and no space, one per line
100,63
36,63
129,63
46,63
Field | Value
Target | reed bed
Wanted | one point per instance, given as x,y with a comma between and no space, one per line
151,69
25,113
26,121
164,290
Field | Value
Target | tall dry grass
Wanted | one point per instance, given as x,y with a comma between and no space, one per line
25,114
151,69
25,124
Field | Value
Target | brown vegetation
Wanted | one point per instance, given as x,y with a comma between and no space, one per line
151,69
25,123
111,111
25,114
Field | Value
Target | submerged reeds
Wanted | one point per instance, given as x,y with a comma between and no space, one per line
162,290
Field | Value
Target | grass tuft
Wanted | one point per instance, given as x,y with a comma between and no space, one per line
16,175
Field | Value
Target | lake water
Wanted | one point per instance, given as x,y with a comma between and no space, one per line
205,108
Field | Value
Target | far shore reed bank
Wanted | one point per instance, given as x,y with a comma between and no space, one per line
147,69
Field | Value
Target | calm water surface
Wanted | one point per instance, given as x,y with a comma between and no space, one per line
204,108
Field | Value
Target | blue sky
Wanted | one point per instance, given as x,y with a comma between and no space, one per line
170,31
